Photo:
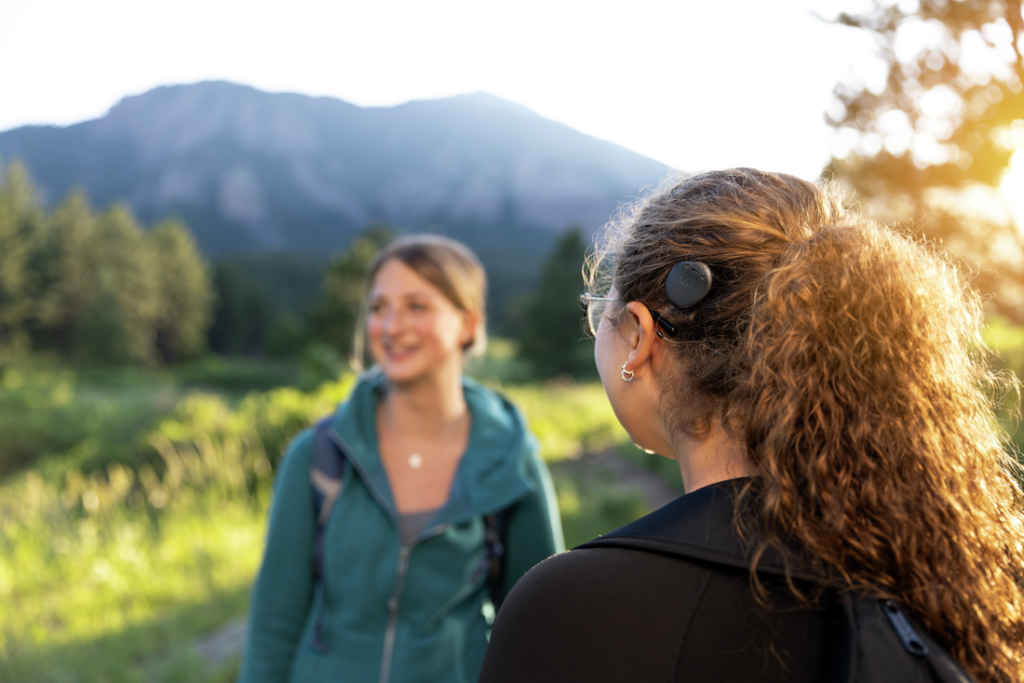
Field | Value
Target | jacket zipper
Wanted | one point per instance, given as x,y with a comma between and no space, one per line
395,601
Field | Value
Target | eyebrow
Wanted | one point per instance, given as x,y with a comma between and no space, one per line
419,292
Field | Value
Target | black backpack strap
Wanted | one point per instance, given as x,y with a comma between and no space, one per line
494,540
492,565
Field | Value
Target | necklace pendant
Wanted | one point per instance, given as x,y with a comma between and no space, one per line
415,460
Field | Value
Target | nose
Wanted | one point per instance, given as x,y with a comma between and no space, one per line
393,321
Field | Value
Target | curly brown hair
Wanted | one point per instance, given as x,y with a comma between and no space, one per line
847,358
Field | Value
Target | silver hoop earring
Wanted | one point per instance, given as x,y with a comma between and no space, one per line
627,372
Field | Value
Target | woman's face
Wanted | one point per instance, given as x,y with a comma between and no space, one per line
414,330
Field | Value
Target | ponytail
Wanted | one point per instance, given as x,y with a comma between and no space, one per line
848,359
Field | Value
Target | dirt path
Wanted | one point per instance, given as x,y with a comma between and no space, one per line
224,644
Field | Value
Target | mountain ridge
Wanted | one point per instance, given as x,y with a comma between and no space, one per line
271,170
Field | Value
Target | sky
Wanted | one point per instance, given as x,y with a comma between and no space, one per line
694,84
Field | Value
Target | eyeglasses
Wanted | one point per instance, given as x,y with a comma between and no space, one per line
594,307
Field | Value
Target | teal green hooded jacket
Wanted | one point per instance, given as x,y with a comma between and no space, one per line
383,612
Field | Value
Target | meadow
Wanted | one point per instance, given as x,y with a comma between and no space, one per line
134,501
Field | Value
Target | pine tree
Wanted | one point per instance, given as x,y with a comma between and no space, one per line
184,292
553,339
120,325
343,291
67,274
20,228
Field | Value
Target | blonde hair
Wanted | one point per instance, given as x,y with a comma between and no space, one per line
448,265
847,358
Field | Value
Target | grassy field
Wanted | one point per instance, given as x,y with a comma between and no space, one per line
133,506
133,501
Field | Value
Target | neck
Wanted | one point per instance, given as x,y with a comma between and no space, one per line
424,407
715,458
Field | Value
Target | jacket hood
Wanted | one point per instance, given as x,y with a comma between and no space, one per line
494,471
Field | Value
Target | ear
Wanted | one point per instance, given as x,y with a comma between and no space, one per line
639,331
470,324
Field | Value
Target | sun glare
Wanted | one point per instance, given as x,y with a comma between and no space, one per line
1012,187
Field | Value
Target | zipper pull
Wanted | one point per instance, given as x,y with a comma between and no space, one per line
911,641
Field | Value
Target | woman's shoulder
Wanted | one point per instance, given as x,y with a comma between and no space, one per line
297,458
575,608
587,574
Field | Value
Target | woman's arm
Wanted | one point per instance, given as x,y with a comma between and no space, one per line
283,591
534,527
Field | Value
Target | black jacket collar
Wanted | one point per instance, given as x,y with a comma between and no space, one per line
699,526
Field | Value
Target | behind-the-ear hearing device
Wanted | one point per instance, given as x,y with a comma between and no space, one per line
688,283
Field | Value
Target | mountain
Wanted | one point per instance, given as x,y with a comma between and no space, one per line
251,171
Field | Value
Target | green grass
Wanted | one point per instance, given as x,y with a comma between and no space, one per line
133,501
136,524
567,418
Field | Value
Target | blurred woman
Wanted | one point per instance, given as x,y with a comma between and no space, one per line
438,501
822,383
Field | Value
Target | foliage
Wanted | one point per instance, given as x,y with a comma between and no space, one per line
127,556
57,416
119,322
501,364
552,338
184,310
567,418
19,223
262,303
66,274
343,291
97,287
142,528
242,313
931,145
594,507
110,568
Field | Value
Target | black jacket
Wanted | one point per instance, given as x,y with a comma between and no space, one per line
605,613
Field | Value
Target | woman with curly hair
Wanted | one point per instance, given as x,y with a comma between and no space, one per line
822,382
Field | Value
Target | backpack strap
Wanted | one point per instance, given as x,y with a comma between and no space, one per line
494,542
325,475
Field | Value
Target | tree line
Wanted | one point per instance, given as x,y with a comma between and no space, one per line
96,286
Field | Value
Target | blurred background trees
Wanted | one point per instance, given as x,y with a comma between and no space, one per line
342,291
97,287
19,226
552,336
184,309
930,149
